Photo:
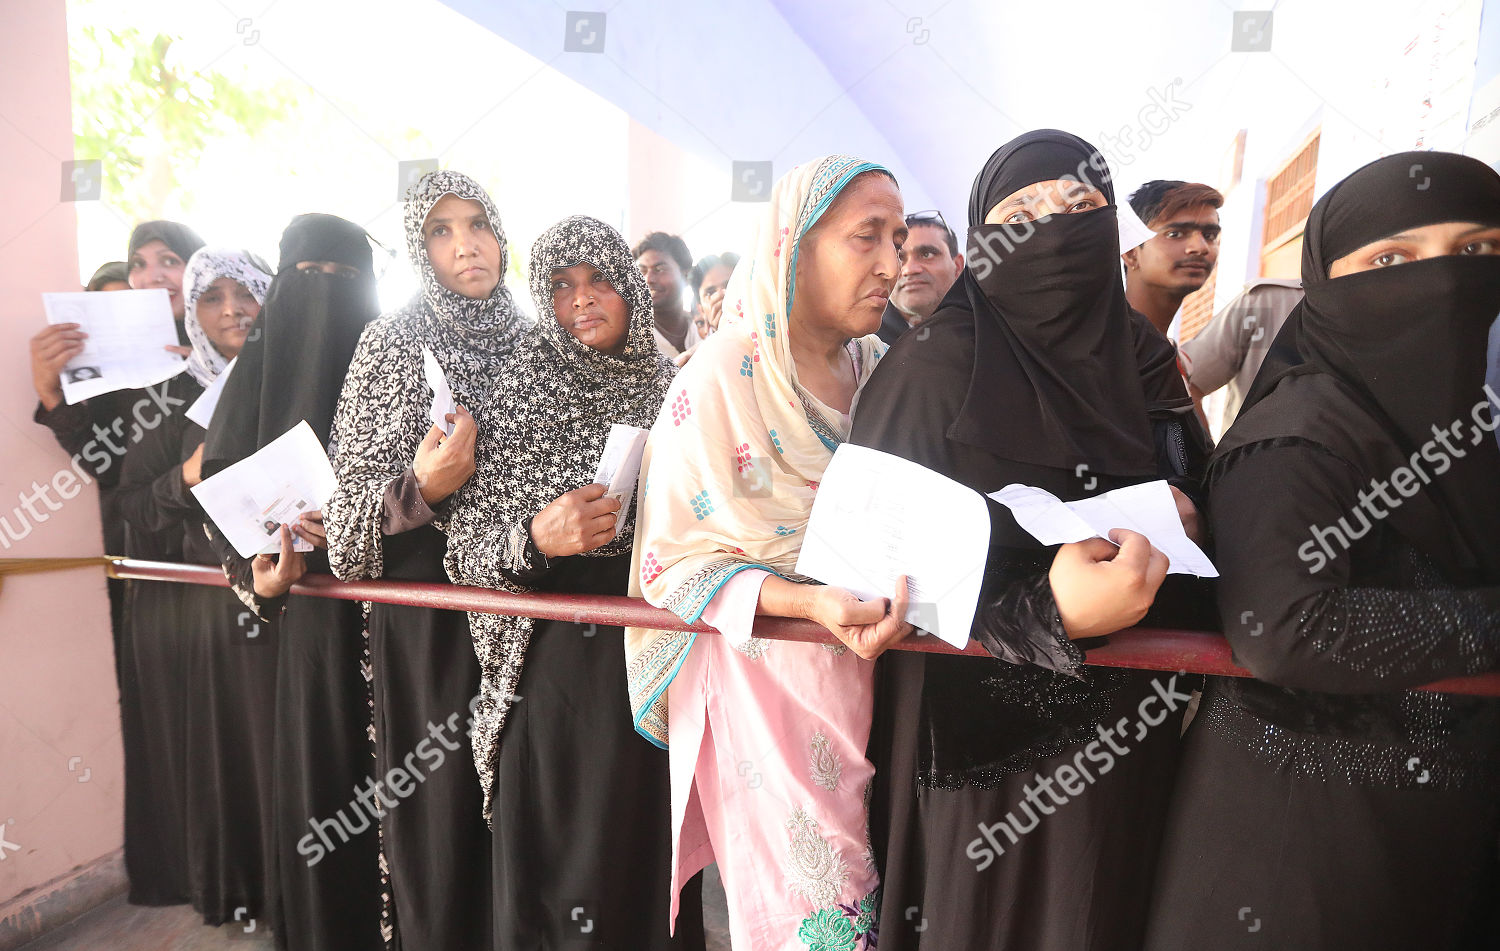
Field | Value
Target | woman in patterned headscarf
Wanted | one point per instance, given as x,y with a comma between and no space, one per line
387,519
533,519
768,739
192,821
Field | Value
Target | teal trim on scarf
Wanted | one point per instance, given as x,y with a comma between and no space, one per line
682,642
821,206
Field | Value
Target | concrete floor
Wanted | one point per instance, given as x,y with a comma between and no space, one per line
118,926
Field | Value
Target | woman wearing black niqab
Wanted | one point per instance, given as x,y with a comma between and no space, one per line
1356,509
1033,370
291,369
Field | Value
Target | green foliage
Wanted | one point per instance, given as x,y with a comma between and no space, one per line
134,106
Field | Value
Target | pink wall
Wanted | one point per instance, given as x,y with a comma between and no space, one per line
656,203
58,702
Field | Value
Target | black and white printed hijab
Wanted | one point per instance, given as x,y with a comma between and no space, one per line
541,437
383,410
203,268
479,319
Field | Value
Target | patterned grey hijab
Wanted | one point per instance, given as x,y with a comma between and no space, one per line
473,317
540,437
203,268
383,409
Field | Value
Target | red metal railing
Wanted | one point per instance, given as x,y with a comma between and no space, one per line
1198,652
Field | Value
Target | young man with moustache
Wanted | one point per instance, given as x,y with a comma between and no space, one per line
1179,260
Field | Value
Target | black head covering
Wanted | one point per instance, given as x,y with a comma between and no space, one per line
109,272
292,365
1383,356
179,237
318,237
1056,381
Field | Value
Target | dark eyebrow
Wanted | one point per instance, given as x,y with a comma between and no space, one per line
927,246
1190,226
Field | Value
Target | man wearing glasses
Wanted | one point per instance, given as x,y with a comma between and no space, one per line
930,263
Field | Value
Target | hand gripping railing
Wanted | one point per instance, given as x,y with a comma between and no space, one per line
1198,652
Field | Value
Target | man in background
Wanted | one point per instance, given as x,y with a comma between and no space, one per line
664,262
1229,350
1182,255
930,263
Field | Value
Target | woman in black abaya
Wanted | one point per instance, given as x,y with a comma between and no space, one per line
228,661
167,625
290,370
1033,370
1327,803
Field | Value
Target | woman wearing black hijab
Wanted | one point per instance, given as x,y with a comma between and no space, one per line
290,370
157,253
1035,370
1327,803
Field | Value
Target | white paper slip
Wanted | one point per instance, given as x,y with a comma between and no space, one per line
620,463
1147,508
442,396
128,333
250,500
202,409
1133,231
878,517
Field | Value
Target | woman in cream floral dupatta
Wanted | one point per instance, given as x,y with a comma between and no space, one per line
767,745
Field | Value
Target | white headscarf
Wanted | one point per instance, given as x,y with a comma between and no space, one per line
203,268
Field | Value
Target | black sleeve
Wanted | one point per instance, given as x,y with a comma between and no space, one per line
241,577
151,496
78,428
71,424
1292,608
1016,619
905,409
1182,449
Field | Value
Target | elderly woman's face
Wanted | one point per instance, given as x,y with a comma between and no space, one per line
462,246
586,305
155,265
226,309
848,262
1415,244
1058,197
